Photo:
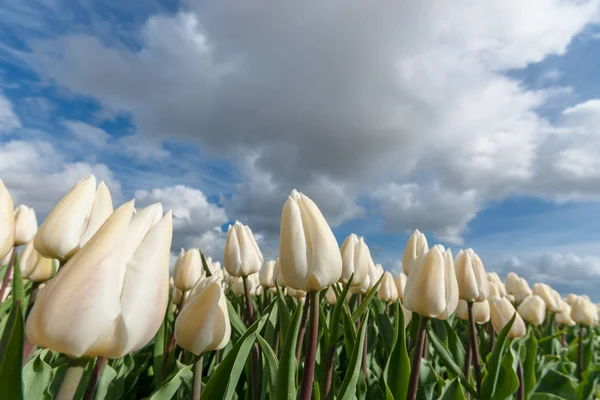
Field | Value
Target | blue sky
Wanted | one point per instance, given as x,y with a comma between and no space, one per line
477,124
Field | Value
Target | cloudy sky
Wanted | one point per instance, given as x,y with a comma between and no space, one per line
477,122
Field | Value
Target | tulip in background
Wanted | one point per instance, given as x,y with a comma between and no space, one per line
564,317
267,275
375,274
416,247
74,220
242,255
533,310
401,284
356,259
188,269
471,277
388,292
495,279
550,296
7,221
330,295
25,225
583,312
481,311
34,266
502,311
517,286
252,284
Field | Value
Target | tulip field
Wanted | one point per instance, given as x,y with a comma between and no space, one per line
92,309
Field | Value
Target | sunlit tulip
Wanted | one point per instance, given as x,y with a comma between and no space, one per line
533,310
401,284
203,323
356,259
471,277
517,286
364,286
110,298
74,220
583,312
493,277
176,296
493,289
277,275
308,251
549,296
481,311
7,221
6,258
502,311
266,275
375,273
34,266
571,298
188,269
431,288
415,247
298,294
330,295
510,298
242,255
25,225
252,284
564,317
387,291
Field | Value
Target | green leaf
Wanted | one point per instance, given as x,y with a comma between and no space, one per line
591,382
285,387
559,384
159,353
384,323
18,290
172,384
270,360
106,378
508,381
205,265
366,302
11,354
455,345
546,396
490,381
348,389
37,377
334,325
236,322
453,391
284,314
397,369
531,347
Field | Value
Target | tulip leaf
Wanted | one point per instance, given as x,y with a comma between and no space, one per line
205,265
397,369
173,383
270,360
455,346
11,354
364,306
508,381
591,381
531,347
18,290
490,381
284,314
285,387
384,323
159,353
559,384
453,391
348,389
37,377
546,396
236,322
106,378
334,325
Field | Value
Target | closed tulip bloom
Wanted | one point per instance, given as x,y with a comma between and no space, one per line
266,275
110,298
34,266
549,296
74,220
7,221
471,277
176,295
481,311
510,298
355,260
431,288
502,312
493,277
564,317
252,283
387,291
517,286
308,251
188,269
203,323
330,295
533,310
298,294
375,273
401,284
364,286
493,289
242,255
415,247
583,312
25,225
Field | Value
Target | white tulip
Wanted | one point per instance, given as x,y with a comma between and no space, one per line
7,221
356,259
188,269
416,247
242,255
25,225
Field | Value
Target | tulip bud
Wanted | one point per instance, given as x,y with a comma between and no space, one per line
266,275
510,298
252,284
34,266
571,298
25,225
188,269
493,289
533,310
583,312
355,260
7,221
298,294
111,297
176,296
242,255
277,275
308,251
549,296
480,310
375,273
330,295
564,317
203,323
471,277
502,312
387,292
74,220
416,247
493,277
517,286
431,288
400,284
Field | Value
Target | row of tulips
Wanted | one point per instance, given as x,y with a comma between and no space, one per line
89,310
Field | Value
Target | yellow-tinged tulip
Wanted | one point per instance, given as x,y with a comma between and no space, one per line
203,323
493,289
517,286
533,310
431,288
7,221
74,220
242,255
481,311
564,317
252,283
267,275
308,251
188,269
25,225
550,296
510,298
34,266
330,295
298,294
176,295
493,277
415,247
356,259
110,297
584,312
471,277
571,298
502,312
401,284
387,292
375,273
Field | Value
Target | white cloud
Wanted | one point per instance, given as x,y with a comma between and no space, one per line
8,118
86,133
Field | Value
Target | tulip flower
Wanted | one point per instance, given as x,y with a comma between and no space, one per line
550,296
297,294
25,225
203,323
517,286
481,311
564,317
510,298
416,247
401,284
356,259
330,295
34,266
533,310
74,220
375,273
502,312
6,258
267,276
308,251
242,255
188,269
583,312
493,277
7,221
110,297
387,292
571,298
471,277
176,296
493,289
252,285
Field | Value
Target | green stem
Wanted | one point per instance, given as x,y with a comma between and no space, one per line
93,382
71,380
474,347
415,365
197,385
255,361
580,354
311,348
302,329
